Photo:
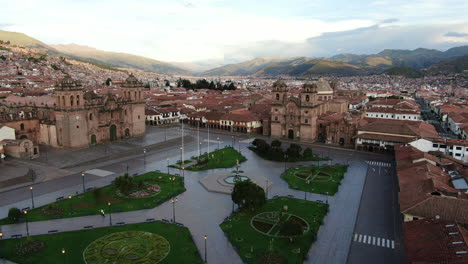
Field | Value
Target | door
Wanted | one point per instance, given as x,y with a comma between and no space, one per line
93,139
113,133
127,132
291,134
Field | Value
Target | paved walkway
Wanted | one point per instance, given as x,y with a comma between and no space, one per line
203,211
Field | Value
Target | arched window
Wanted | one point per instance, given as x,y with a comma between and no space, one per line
91,116
277,97
135,96
139,94
21,126
63,101
77,100
71,100
306,121
125,111
307,98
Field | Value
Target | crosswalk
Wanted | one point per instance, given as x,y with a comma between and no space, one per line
374,241
378,163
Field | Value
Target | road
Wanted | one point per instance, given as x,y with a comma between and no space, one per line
377,237
203,211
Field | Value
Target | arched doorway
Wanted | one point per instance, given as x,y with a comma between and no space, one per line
291,134
113,133
127,132
93,139
24,137
342,141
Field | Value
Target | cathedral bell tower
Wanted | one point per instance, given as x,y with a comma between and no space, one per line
280,90
132,89
309,94
69,94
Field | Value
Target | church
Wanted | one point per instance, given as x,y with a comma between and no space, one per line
72,117
295,116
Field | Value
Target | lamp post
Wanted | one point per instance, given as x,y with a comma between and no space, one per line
285,158
27,225
232,141
206,238
32,196
167,165
82,178
110,214
326,193
199,147
218,141
64,256
305,193
173,209
1,235
208,140
144,158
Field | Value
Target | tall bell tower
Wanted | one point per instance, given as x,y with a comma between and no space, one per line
280,90
134,107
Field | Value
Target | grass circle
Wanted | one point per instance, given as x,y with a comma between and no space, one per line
269,223
128,247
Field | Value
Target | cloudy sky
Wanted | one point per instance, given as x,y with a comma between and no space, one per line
235,30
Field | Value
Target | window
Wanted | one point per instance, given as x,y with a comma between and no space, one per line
306,121
276,109
457,154
77,126
276,118
277,97
307,98
90,116
459,148
71,100
125,111
435,145
21,126
443,146
77,100
404,117
306,112
138,116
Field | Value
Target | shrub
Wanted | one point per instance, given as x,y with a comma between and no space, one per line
307,152
276,144
14,214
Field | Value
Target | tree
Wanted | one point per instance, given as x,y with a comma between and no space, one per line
124,183
294,151
168,84
14,214
307,152
248,195
108,81
276,144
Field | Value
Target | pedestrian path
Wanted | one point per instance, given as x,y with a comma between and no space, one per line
374,241
378,163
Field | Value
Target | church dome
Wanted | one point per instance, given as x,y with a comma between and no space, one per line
131,79
279,84
68,83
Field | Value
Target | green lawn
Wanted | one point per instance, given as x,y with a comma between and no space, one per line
90,203
265,246
222,158
315,179
182,248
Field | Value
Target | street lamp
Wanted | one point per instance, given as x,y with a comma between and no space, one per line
199,147
32,196
1,235
206,238
26,218
218,141
173,208
305,193
144,157
64,256
110,214
82,178
285,158
167,165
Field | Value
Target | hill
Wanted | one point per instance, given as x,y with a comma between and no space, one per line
114,59
95,56
299,66
403,71
459,65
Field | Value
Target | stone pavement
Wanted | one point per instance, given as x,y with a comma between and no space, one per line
203,211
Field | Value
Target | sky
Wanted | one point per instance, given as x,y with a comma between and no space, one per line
237,30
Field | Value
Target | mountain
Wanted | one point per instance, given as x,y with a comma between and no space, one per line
298,66
458,65
403,71
199,66
24,40
95,56
416,59
114,59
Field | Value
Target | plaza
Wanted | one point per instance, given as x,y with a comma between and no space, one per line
198,209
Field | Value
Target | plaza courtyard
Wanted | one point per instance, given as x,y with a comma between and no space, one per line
200,210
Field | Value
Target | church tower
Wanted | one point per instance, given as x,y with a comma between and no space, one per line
280,90
309,94
70,114
134,107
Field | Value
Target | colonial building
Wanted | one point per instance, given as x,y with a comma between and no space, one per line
73,117
296,117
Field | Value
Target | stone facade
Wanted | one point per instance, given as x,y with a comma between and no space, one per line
74,118
296,117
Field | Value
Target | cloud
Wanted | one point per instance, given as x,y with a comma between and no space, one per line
456,34
6,25
389,21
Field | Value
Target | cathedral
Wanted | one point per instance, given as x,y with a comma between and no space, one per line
73,117
296,116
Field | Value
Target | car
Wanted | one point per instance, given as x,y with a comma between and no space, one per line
179,224
276,196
